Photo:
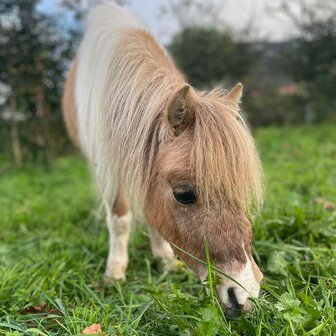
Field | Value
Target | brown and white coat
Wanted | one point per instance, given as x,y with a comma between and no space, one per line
149,137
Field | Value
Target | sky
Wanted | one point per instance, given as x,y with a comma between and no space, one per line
236,14
267,23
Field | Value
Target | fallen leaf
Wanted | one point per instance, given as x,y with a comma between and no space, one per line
327,205
33,309
38,308
41,309
92,329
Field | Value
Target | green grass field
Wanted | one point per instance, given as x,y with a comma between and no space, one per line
53,246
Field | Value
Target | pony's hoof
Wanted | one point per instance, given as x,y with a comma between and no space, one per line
114,274
171,264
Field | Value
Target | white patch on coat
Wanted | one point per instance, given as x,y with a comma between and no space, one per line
246,278
119,231
160,247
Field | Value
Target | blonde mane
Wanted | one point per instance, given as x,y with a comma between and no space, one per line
125,81
223,154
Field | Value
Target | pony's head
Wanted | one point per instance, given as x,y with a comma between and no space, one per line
204,186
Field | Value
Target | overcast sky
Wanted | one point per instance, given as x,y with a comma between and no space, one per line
236,14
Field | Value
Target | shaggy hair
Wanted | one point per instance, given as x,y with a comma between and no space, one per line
124,84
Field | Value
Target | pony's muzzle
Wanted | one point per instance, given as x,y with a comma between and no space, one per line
233,313
235,304
238,288
237,296
232,307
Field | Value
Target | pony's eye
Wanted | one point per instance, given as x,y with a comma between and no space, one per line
185,193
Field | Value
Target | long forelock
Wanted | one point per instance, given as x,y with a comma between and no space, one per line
223,156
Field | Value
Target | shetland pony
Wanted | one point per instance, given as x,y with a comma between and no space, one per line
183,158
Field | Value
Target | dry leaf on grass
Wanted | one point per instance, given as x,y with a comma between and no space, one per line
92,329
327,205
41,309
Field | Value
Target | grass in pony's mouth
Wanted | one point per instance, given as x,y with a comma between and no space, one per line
53,249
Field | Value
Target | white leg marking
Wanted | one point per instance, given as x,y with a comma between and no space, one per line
162,250
160,247
119,230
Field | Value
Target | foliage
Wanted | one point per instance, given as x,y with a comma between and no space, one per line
311,58
264,106
53,247
209,56
34,54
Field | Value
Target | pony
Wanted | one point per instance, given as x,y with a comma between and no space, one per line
158,147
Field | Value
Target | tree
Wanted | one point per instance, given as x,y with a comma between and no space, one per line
311,60
209,56
33,58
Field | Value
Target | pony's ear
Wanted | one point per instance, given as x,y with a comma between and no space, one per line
235,94
180,110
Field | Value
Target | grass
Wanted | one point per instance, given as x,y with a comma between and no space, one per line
53,245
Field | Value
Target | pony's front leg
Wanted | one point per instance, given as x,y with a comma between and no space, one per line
119,219
162,250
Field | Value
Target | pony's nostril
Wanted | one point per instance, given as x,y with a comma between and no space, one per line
236,308
233,299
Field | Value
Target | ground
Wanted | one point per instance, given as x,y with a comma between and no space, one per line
53,246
